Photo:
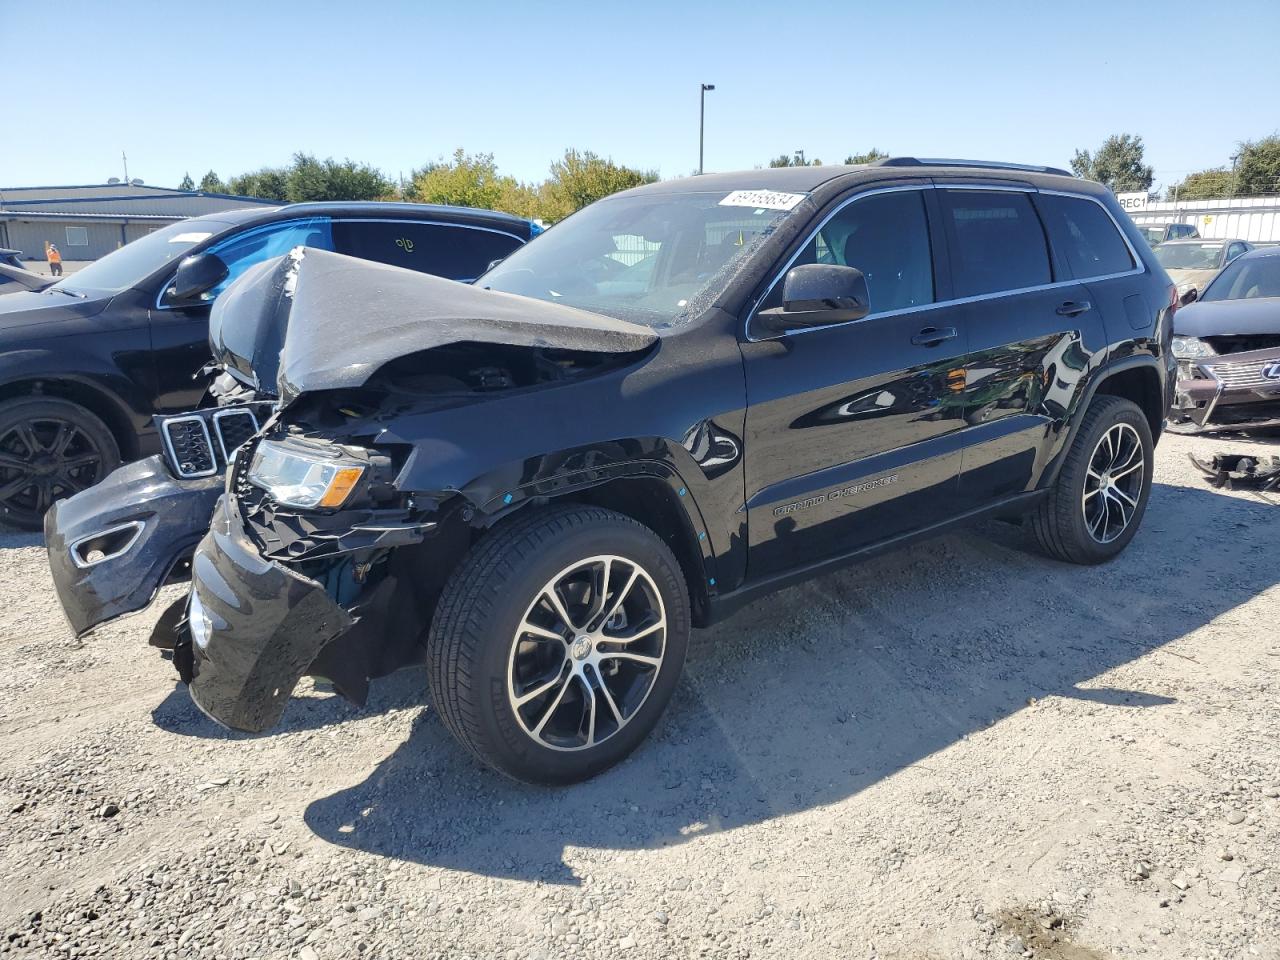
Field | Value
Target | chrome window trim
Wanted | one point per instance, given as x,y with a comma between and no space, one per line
135,525
956,301
332,220
221,415
173,457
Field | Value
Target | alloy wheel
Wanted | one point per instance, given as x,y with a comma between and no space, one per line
587,653
42,460
1113,483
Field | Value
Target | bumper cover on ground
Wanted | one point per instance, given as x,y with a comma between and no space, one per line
254,626
113,546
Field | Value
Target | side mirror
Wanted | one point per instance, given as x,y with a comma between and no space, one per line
196,275
818,295
1189,297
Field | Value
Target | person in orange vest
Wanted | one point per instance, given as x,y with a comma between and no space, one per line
55,259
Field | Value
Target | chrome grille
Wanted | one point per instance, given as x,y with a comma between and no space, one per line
233,428
200,443
1246,373
190,449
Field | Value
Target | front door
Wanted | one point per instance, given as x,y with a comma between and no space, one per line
851,429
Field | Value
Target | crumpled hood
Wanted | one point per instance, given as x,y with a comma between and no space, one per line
1227,318
314,320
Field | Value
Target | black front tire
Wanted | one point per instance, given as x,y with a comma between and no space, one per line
476,633
50,448
1066,523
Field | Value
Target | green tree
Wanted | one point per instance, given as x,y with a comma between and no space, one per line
581,177
466,180
210,183
269,183
1201,185
312,179
1258,167
869,157
187,183
1116,164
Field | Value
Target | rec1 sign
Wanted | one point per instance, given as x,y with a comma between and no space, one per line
1132,202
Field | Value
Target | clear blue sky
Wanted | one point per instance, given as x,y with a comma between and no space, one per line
235,85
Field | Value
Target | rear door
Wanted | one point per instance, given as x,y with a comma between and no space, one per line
1026,320
455,251
851,428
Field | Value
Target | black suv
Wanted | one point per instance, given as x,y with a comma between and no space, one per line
85,363
681,398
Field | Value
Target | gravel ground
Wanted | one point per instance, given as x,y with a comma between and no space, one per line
958,750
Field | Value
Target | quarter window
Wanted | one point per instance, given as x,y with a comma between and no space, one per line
997,242
886,236
1086,236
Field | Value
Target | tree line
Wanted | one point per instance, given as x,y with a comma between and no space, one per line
581,177
1120,164
576,179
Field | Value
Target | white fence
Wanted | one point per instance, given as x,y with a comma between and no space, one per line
1240,218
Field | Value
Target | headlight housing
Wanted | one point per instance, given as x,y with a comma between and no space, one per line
301,477
1192,348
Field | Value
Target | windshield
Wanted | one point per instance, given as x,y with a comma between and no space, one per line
1188,256
136,261
653,259
1246,279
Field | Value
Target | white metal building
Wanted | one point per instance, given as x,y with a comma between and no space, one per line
1239,218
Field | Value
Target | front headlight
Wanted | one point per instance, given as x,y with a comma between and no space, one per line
303,478
1192,348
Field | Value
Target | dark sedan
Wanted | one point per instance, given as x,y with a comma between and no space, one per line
86,363
1228,348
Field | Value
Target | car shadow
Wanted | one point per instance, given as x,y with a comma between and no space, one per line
812,695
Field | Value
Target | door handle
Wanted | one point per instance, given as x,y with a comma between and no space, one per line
1073,308
932,336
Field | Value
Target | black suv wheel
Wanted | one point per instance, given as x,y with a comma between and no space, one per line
558,643
49,449
1094,508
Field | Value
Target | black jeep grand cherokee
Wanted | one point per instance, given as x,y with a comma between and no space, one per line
683,397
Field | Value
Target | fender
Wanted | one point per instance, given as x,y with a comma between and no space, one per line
89,374
1105,372
500,492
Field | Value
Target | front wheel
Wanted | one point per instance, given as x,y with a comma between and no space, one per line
558,642
1095,505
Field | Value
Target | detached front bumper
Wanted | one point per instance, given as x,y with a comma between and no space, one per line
1233,390
253,628
113,546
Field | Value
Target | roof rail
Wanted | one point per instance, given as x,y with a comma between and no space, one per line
981,164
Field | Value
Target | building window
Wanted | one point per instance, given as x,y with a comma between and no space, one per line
77,236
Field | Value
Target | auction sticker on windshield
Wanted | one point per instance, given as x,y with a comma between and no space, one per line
762,199
192,237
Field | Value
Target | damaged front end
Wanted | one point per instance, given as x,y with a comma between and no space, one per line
113,546
322,559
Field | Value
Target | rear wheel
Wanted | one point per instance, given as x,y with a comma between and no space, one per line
50,448
558,643
1094,508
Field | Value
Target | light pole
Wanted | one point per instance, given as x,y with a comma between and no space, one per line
702,113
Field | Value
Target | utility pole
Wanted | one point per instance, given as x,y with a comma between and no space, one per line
702,114
1234,161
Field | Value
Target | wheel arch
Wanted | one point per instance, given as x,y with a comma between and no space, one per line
101,402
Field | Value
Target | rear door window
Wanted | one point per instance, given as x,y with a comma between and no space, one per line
1086,236
997,242
454,251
